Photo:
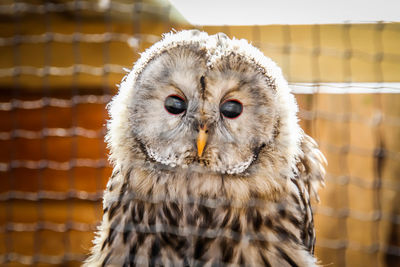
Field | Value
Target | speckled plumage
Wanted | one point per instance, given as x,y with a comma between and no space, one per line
245,201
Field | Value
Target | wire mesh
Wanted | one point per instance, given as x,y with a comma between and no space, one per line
60,63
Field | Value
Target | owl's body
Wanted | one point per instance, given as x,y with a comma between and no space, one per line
210,165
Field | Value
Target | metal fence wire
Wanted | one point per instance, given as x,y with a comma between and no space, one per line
60,61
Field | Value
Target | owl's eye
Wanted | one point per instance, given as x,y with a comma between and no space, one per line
231,109
175,104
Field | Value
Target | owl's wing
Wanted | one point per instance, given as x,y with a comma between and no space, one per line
311,166
311,174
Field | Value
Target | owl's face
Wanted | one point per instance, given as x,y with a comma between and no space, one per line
188,113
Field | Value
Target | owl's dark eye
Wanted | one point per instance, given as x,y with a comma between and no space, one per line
231,109
175,104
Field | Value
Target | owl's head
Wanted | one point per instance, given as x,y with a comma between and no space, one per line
207,104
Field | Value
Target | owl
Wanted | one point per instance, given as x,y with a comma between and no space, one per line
210,166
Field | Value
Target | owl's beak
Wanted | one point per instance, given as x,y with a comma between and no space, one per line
202,140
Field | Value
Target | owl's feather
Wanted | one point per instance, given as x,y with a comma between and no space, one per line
246,201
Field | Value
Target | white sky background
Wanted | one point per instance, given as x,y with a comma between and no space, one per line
266,12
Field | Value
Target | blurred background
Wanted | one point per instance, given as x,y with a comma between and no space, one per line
60,62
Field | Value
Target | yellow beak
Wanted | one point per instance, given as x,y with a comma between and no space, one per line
201,141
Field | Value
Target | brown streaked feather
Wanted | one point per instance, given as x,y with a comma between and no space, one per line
311,166
311,174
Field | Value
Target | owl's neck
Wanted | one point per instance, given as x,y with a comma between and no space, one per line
186,184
